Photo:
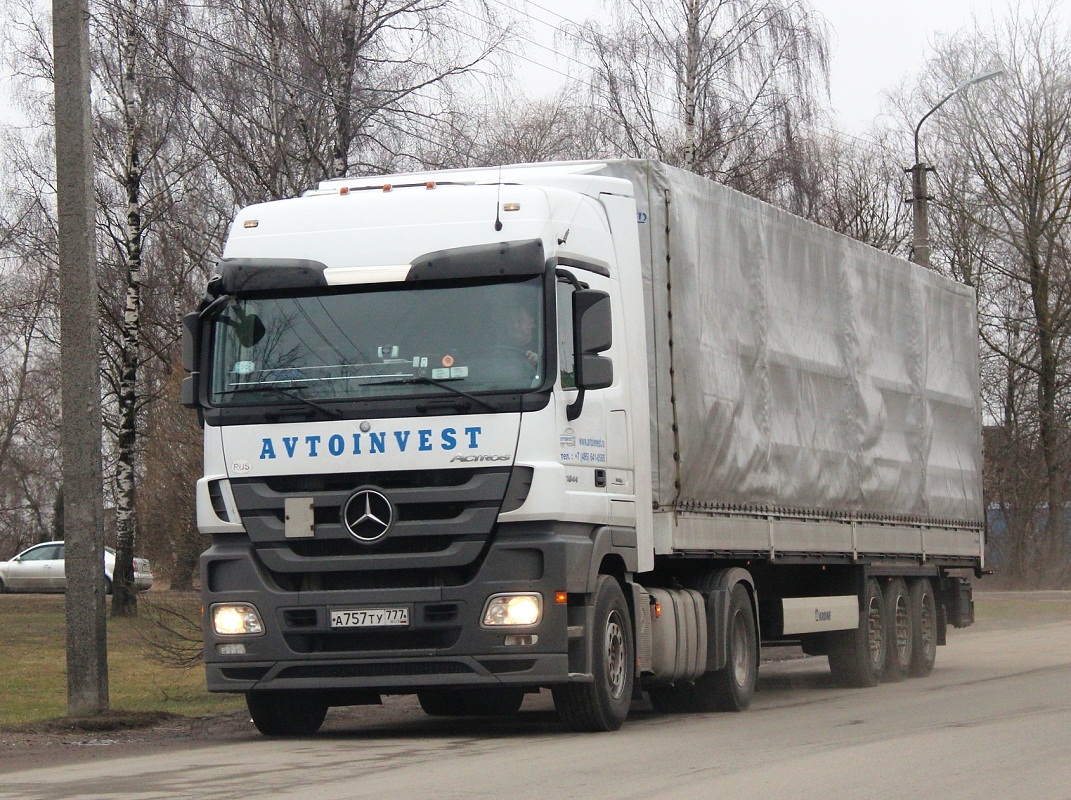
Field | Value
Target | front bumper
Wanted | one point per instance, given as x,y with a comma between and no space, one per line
443,645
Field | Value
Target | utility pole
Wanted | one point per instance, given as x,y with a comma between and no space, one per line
920,244
83,506
920,240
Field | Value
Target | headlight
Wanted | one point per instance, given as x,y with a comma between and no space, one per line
525,610
236,619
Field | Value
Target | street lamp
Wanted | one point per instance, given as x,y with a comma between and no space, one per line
920,245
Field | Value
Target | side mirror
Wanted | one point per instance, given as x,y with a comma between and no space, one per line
191,346
593,334
191,335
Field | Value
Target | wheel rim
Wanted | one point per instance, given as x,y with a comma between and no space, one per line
741,648
903,628
874,633
615,655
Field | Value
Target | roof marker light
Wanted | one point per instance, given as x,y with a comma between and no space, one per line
344,190
251,223
511,206
429,185
387,187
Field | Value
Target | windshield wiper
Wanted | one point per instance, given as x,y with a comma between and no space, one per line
424,379
288,392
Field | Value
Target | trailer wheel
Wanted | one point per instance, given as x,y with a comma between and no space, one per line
899,631
924,627
857,657
602,705
471,701
286,713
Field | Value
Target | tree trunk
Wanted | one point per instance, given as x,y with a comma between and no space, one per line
124,593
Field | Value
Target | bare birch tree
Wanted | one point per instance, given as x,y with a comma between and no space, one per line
142,121
511,130
294,92
1004,226
853,187
720,87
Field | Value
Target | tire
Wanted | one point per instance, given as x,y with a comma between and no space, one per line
923,627
3,587
732,687
107,586
602,705
286,713
490,701
899,635
857,657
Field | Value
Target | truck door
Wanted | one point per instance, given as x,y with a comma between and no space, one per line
594,444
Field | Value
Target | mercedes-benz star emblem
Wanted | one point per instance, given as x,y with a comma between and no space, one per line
367,515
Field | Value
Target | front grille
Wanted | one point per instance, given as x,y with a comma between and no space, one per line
346,482
443,519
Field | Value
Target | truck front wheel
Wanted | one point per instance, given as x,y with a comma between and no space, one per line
286,713
602,705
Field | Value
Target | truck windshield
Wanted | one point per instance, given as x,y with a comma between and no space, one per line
396,340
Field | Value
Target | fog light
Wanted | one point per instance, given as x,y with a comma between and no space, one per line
232,649
513,609
521,639
236,619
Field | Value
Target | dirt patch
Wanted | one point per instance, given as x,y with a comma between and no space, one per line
112,735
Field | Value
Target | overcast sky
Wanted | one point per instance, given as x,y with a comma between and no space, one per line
875,43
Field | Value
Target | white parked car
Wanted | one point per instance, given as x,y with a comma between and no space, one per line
40,569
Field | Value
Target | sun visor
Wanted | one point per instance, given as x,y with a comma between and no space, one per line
235,275
513,259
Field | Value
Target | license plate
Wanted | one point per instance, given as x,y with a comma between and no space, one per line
369,617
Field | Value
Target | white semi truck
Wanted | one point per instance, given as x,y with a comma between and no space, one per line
598,427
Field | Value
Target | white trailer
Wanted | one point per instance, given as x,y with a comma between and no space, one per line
603,427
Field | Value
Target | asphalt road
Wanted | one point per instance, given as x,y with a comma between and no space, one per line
993,721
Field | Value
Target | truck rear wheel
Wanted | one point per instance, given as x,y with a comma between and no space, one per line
286,713
602,705
857,657
471,701
732,687
923,627
899,631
